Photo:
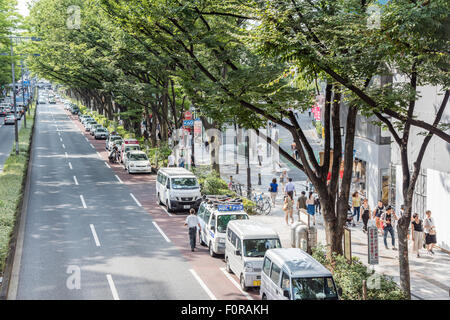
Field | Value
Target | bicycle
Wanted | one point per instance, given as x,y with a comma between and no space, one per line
262,201
237,188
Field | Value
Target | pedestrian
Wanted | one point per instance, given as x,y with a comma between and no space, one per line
273,189
376,215
388,218
290,188
417,234
192,223
230,183
181,161
260,153
192,160
171,160
283,178
301,203
288,208
309,112
430,232
294,149
356,206
366,214
310,205
317,204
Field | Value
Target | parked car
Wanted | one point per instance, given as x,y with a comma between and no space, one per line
137,161
10,119
101,133
110,141
292,274
128,147
88,125
94,127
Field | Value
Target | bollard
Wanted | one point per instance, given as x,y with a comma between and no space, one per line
301,237
259,179
237,168
293,227
364,289
312,238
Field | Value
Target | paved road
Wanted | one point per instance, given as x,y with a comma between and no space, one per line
6,140
112,240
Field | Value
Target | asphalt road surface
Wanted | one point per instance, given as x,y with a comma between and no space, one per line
85,236
6,140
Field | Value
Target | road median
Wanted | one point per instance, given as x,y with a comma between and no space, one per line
12,186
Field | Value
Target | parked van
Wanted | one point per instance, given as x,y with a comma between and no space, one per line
214,214
292,274
178,189
128,145
245,247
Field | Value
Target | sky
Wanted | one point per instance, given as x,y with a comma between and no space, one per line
22,7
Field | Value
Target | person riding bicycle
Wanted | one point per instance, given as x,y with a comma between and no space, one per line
114,155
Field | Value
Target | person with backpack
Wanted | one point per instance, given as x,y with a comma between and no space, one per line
388,219
273,189
417,234
376,215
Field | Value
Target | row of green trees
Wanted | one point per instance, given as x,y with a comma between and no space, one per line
253,61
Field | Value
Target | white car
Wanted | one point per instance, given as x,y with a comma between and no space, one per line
110,141
137,161
128,147
94,127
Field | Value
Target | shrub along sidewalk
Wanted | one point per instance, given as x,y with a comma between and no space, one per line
12,185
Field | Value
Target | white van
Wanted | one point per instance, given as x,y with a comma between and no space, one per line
214,214
292,274
245,247
178,189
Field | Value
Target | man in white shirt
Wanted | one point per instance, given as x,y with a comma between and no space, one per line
260,153
171,160
192,223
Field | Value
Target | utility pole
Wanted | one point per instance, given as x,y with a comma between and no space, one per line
23,97
247,158
16,129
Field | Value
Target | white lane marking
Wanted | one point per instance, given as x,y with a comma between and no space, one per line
66,154
91,146
76,181
236,284
60,139
160,231
165,210
203,285
59,134
136,200
107,165
99,155
112,287
94,233
64,146
83,202
86,139
118,178
70,166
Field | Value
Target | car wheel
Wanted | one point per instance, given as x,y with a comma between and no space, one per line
242,283
159,200
227,266
169,209
203,243
264,297
211,250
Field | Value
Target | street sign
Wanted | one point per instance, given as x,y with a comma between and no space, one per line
372,244
188,123
188,115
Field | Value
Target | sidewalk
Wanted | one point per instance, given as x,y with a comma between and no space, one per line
430,275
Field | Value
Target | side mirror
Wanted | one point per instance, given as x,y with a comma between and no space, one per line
339,290
237,252
286,293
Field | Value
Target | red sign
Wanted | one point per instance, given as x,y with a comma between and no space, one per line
187,115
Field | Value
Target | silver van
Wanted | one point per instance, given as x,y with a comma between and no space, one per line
245,247
292,274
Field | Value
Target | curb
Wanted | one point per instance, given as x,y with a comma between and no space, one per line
19,225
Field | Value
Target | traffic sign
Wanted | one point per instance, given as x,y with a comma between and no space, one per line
188,115
188,123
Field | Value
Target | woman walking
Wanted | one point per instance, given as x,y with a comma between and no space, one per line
430,232
417,234
283,179
288,208
356,204
366,214
273,189
311,208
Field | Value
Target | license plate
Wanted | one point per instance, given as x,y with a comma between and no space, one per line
257,283
187,207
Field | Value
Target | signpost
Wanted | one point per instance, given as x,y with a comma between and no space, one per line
372,245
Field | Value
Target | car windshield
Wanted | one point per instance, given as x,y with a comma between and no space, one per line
222,220
138,157
116,138
101,130
184,183
132,148
256,248
118,142
321,288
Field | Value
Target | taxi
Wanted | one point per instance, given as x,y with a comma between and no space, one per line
214,214
128,145
137,161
